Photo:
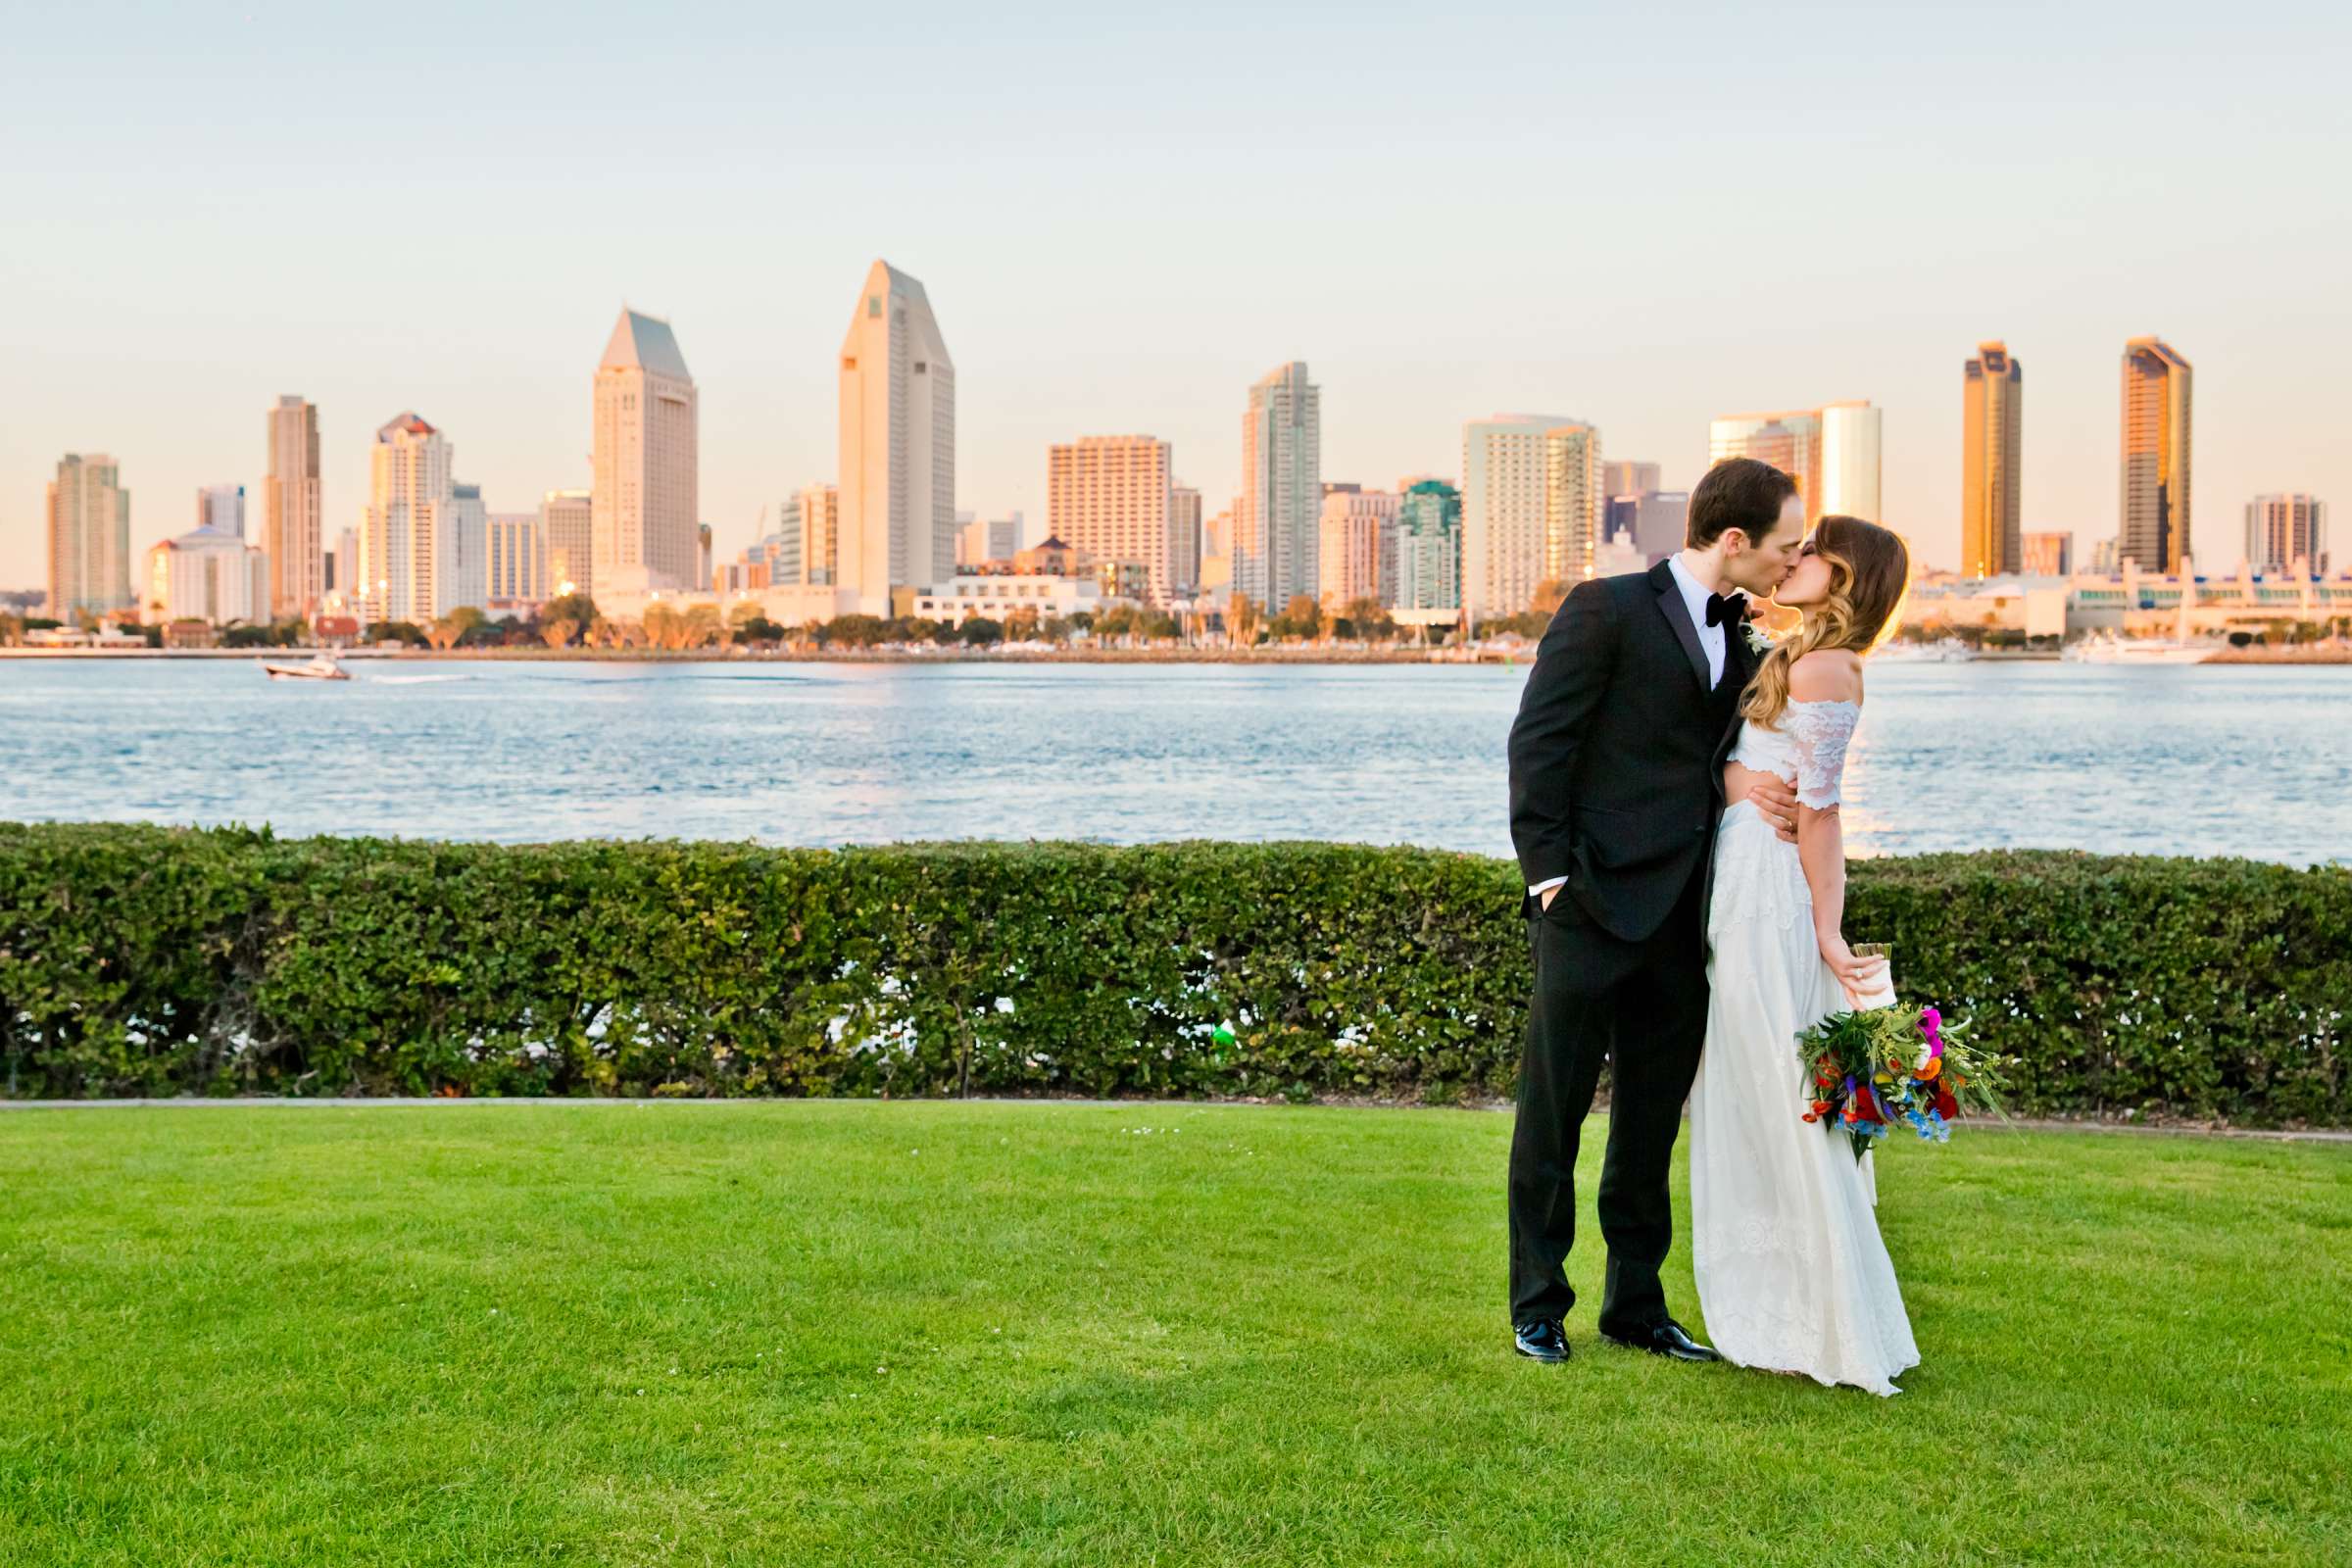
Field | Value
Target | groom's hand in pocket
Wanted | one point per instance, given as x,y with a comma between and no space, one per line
1776,802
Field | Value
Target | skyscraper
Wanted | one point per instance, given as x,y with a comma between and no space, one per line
89,537
2155,508
1504,510
292,523
461,552
1849,461
644,498
1276,551
409,496
808,551
1573,502
1628,478
1108,496
1429,547
898,443
1992,428
1359,546
1790,440
222,509
568,528
2283,530
2043,555
1184,538
517,560
1831,453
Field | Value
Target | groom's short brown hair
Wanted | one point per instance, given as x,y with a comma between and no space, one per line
1737,493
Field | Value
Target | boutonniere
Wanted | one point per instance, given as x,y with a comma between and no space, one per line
1758,643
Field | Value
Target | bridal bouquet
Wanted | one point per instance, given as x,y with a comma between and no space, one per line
1874,1068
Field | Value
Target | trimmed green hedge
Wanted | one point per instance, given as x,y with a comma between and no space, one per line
141,960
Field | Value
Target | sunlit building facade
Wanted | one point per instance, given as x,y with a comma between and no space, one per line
1277,552
1109,496
2286,528
89,537
1991,430
643,496
897,444
2155,508
293,523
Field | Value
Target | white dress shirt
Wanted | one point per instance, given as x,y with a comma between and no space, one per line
1710,641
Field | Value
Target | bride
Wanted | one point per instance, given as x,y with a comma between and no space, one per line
1791,1274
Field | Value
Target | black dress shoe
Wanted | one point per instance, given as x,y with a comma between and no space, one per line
1542,1340
1665,1337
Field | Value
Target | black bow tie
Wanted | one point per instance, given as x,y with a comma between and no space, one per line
1721,609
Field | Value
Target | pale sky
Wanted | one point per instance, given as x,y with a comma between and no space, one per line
1640,215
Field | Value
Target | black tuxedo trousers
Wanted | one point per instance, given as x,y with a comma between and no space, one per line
1616,785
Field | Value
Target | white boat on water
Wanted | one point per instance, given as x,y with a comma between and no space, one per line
2105,648
321,667
1945,650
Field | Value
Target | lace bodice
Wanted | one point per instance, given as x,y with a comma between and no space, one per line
1807,747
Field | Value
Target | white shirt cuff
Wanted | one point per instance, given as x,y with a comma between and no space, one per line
1536,890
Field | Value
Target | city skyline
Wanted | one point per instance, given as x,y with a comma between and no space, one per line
1133,310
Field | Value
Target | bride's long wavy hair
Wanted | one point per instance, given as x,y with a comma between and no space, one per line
1870,574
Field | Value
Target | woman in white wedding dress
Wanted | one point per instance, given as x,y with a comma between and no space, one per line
1793,1276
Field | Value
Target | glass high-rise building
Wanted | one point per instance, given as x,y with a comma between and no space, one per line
1832,452
644,500
1992,428
89,537
1574,498
2283,530
1109,496
2155,503
1429,547
897,444
1277,539
293,524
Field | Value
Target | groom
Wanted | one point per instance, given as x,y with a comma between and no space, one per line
1616,786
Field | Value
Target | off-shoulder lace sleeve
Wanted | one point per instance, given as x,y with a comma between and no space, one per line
1821,732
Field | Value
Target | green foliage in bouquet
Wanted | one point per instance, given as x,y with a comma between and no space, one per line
1875,1068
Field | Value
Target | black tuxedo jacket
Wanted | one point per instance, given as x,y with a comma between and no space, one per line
1617,753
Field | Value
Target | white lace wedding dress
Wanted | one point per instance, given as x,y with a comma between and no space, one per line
1793,1276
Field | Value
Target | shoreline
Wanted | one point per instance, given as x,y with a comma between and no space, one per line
1307,655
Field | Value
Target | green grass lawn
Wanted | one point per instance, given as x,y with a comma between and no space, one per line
863,1333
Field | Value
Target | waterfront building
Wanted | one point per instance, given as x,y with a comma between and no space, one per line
1832,452
1623,478
293,523
222,507
644,498
1504,510
2131,603
1850,461
567,533
1184,533
210,574
1660,524
804,551
1358,544
1109,496
2040,554
980,540
408,497
1991,470
1429,547
336,574
1573,502
2155,506
89,537
1790,440
462,550
2102,557
1276,553
897,444
517,561
2286,528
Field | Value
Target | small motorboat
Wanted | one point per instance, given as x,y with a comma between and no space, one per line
322,667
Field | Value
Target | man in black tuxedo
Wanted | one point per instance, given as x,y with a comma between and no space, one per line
1616,788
